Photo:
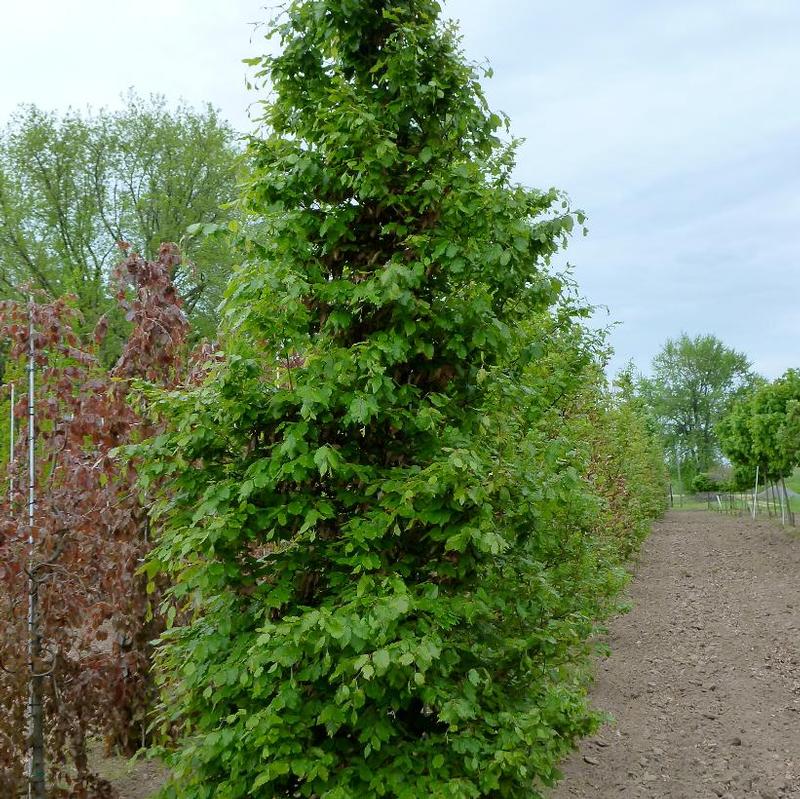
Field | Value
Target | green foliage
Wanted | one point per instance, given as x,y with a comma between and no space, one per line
704,483
626,468
377,512
693,382
763,428
742,478
73,187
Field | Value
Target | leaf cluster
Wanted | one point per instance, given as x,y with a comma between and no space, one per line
763,427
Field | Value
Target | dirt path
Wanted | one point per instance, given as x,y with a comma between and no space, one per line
704,676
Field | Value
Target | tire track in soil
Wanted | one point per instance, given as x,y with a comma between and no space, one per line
704,676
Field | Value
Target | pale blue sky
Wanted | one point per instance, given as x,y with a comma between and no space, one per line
674,124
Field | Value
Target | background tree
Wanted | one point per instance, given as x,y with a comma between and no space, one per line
73,187
773,423
763,429
375,508
693,381
735,435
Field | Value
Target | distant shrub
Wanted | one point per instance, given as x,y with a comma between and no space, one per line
704,483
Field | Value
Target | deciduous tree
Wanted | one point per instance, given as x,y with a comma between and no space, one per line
73,187
693,381
763,428
390,573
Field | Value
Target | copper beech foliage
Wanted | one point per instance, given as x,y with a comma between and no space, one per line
90,529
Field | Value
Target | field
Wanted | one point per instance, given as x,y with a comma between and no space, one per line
315,474
704,676
793,482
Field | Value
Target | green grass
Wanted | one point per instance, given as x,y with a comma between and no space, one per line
741,503
793,482
688,502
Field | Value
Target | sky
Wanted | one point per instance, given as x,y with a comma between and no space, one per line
674,124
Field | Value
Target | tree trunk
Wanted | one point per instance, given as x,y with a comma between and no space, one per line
789,510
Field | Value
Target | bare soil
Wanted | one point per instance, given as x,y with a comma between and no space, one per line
703,680
139,779
704,677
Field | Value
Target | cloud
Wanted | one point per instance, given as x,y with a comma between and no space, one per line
676,127
674,124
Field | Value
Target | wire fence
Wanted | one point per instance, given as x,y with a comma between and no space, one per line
768,504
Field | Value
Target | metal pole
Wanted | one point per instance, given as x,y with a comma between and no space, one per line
11,462
36,775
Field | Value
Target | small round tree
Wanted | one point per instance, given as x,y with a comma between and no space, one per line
367,613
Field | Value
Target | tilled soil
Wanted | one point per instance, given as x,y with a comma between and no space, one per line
704,677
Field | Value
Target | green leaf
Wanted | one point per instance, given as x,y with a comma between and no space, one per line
381,659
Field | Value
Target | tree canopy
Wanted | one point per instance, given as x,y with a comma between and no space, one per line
693,381
90,656
77,187
763,427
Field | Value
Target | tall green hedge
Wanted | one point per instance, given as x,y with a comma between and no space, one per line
376,511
